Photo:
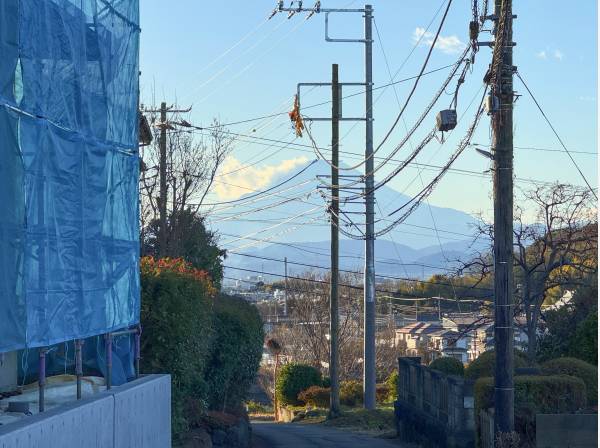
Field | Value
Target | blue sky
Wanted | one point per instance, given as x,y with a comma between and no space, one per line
182,60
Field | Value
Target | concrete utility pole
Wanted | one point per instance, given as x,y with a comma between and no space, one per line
334,359
502,143
369,375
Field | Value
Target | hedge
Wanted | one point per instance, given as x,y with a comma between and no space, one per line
484,365
292,379
588,373
316,396
210,347
448,365
534,395
235,353
176,318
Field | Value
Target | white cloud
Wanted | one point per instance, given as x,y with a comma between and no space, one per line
550,52
447,44
238,180
587,98
558,54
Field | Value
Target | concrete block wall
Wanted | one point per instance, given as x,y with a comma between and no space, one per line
566,430
135,415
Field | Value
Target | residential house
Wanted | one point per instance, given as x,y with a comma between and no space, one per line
430,340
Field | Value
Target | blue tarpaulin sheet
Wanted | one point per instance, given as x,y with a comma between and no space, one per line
69,238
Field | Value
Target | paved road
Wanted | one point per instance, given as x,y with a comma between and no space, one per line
293,435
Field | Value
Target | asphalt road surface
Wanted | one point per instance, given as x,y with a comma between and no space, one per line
294,435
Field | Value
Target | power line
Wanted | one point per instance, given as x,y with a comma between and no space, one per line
405,279
537,148
278,114
423,67
556,134
311,280
264,191
301,248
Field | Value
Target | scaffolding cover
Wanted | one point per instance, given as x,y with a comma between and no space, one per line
69,248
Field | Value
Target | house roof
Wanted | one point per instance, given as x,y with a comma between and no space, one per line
420,328
465,319
428,329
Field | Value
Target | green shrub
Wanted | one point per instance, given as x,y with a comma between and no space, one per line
392,383
579,369
382,393
534,395
292,379
254,407
484,365
176,317
584,343
326,382
315,396
448,365
351,393
235,353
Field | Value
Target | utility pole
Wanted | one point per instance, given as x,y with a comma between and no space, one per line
502,143
163,125
285,294
334,360
162,205
369,375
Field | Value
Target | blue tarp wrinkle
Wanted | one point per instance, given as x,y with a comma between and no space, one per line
69,239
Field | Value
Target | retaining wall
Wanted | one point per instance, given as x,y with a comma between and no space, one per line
134,415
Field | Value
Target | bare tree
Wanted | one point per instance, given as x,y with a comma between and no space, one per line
554,251
193,161
306,336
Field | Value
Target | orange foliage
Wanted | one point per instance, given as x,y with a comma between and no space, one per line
151,266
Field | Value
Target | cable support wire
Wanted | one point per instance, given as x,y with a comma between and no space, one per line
556,134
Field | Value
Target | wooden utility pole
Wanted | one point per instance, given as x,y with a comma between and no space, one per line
162,205
334,361
163,125
285,296
502,98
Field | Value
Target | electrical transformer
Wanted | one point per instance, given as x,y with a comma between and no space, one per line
446,120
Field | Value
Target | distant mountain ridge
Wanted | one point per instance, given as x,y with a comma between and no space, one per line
414,248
